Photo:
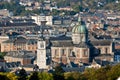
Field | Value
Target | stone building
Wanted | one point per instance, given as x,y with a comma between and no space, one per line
24,57
78,48
65,49
19,43
71,49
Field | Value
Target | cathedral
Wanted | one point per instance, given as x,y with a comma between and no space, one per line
65,49
75,49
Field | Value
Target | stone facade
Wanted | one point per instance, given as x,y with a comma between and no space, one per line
19,44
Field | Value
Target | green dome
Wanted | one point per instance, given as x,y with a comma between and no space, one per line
79,29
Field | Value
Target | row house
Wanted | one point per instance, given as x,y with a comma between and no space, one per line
20,43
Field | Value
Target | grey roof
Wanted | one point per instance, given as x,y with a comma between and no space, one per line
59,38
82,45
17,24
101,43
105,55
8,41
32,41
28,65
62,44
20,40
21,54
102,63
13,64
22,20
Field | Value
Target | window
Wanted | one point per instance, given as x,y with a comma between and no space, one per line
56,52
62,52
99,50
85,52
42,45
72,54
106,50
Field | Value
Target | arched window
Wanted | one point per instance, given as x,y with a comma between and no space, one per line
106,50
62,52
72,54
99,50
85,52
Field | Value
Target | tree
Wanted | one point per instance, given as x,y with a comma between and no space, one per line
11,76
114,72
3,76
73,76
40,76
22,74
34,76
45,76
2,54
58,73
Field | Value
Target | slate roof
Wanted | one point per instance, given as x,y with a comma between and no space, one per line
59,38
82,45
22,20
13,64
32,41
20,40
101,43
102,63
8,41
21,54
62,44
17,24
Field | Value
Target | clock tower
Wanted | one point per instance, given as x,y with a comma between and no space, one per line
41,53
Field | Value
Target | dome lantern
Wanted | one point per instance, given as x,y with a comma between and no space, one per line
80,27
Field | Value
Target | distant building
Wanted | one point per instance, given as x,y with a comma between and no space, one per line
4,12
41,54
2,39
78,48
19,43
24,57
42,17
2,65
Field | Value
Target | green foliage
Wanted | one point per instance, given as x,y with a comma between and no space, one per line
58,73
41,76
58,70
2,54
13,6
74,76
34,76
45,76
114,72
11,76
3,76
22,74
105,73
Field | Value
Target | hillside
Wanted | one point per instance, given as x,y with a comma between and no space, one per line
92,4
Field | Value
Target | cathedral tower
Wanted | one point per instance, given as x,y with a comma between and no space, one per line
41,53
